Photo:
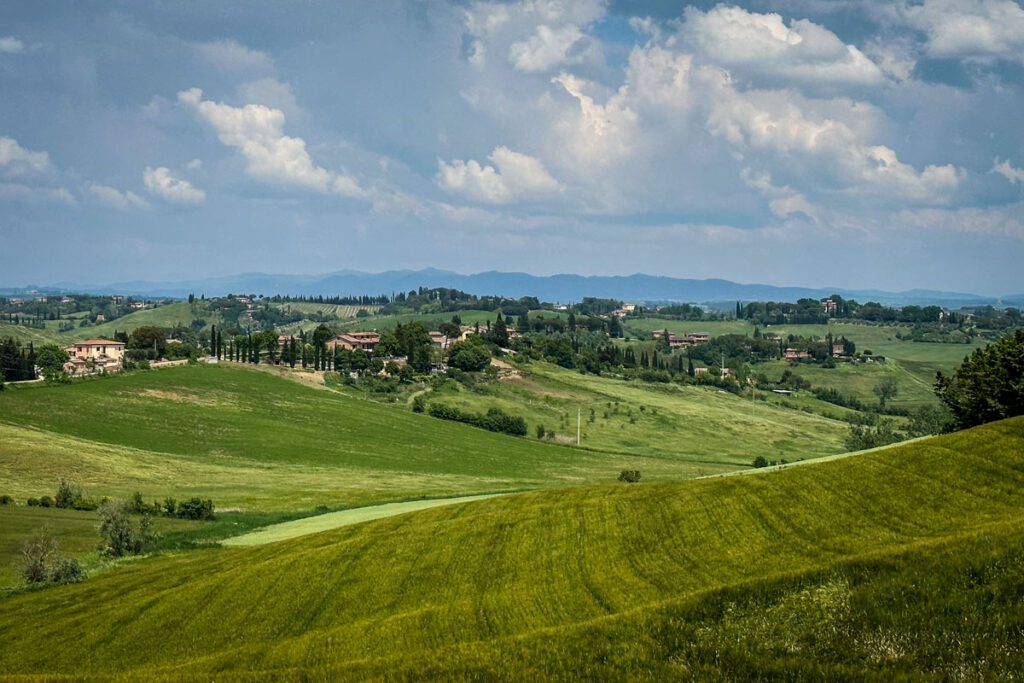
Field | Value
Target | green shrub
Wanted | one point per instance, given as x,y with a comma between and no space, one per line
195,508
494,420
760,461
419,405
46,502
6,500
629,476
119,537
86,504
33,502
67,494
66,570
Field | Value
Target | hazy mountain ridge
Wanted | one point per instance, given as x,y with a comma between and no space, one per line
560,288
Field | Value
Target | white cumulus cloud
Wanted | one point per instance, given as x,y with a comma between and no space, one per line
768,122
763,45
513,177
978,29
538,35
257,131
161,183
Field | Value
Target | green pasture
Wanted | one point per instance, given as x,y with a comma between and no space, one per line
429,320
76,532
27,335
705,426
899,563
253,440
171,315
644,328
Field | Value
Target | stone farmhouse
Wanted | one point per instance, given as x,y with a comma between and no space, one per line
355,340
692,339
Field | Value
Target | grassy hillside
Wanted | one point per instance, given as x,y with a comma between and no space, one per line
912,364
698,424
250,439
31,334
431,320
180,313
905,560
340,311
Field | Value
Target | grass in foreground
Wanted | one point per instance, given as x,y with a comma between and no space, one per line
904,560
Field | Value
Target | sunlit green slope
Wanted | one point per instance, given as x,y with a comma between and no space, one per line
901,559
254,440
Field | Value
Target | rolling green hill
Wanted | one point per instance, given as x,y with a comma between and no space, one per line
694,423
171,315
911,364
340,311
180,313
900,563
253,440
34,335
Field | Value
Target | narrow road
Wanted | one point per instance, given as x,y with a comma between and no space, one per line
333,520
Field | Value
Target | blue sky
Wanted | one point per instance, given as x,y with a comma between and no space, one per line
849,143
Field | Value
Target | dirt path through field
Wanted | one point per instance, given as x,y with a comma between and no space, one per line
333,520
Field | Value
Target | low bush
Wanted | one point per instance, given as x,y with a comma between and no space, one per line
494,420
32,502
6,500
66,570
760,461
195,508
629,476
67,494
46,502
119,536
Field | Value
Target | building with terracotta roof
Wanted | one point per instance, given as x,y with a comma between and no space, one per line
98,355
355,340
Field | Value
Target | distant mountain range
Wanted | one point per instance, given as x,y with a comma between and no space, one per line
556,288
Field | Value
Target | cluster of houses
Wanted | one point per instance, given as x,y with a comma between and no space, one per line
624,311
367,341
676,341
797,355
